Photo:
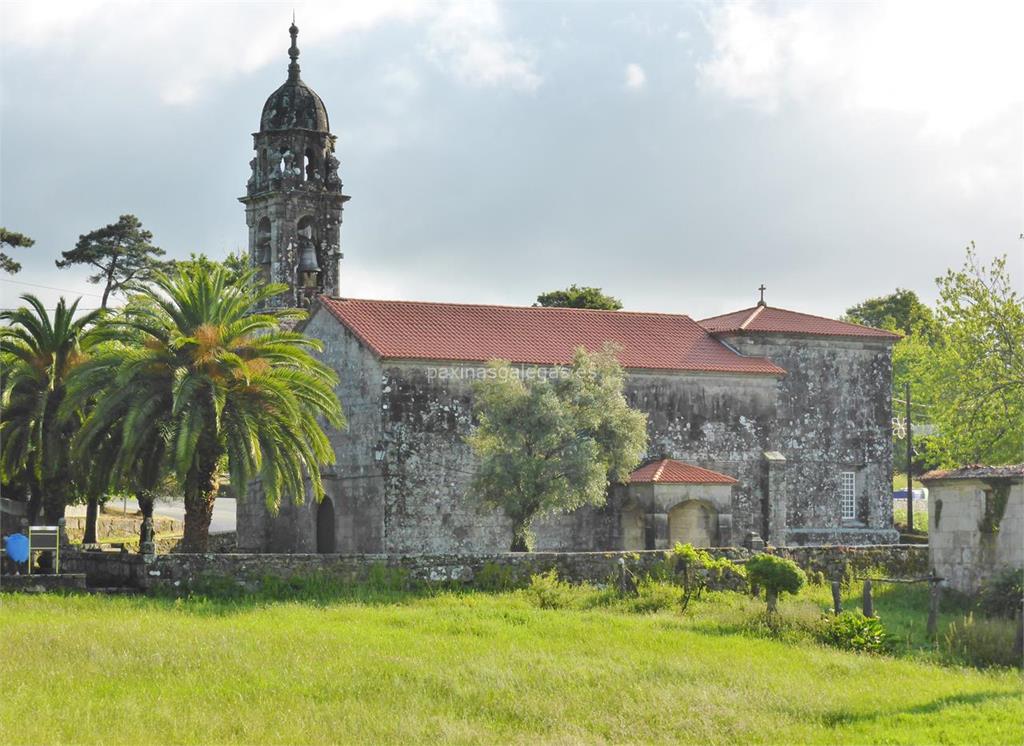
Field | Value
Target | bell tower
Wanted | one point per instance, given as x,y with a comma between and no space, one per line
293,201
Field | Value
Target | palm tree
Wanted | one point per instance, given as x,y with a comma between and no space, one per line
38,356
221,383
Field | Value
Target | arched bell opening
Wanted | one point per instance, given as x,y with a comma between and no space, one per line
310,166
309,269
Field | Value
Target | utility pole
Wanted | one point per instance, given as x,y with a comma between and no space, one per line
910,467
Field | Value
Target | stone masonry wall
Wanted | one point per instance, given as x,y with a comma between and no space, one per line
834,415
354,484
960,550
184,571
830,414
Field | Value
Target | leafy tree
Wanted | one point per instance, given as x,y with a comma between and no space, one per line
222,382
98,446
39,354
776,575
14,240
235,262
972,381
577,297
122,253
552,444
901,311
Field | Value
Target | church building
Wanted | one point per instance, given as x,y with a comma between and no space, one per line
764,424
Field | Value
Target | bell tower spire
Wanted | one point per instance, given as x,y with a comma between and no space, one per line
293,52
294,200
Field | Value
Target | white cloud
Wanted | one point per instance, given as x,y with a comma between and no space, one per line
467,38
953,66
635,76
186,48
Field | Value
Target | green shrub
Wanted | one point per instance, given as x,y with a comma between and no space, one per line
548,592
851,630
982,642
1001,595
795,624
652,596
776,575
695,569
495,577
381,577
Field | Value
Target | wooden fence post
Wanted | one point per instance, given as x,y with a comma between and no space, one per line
869,606
837,597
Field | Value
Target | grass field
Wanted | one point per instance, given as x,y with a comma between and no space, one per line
469,667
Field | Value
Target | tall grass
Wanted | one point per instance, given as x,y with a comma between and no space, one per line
329,664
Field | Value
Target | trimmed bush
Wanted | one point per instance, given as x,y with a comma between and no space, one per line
776,575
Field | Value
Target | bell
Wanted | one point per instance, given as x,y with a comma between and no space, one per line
307,262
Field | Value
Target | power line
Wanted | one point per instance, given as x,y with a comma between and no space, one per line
15,308
913,404
49,287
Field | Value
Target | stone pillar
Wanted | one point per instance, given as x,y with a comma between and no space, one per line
775,498
656,531
725,529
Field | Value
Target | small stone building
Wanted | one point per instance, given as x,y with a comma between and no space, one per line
787,414
668,502
975,523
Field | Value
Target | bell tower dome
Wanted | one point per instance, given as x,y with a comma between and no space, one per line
293,201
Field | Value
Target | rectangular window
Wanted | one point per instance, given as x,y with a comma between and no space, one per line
848,494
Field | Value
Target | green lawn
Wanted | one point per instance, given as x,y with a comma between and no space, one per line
471,667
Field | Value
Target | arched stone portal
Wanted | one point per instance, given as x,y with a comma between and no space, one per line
326,542
693,522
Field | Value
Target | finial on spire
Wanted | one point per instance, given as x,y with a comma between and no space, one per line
762,289
293,51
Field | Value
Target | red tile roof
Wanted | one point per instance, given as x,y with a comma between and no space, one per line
768,319
540,336
670,471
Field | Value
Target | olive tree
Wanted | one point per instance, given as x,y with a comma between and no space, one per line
552,443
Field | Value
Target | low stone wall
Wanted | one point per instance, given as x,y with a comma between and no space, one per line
42,583
185,571
119,526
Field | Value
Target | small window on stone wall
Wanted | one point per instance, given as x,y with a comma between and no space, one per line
848,494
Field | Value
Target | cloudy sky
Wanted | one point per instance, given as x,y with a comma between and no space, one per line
675,154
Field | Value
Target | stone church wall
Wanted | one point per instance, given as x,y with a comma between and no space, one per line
830,414
834,415
354,484
720,422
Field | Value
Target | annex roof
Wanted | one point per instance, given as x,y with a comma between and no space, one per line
976,471
670,471
779,320
415,330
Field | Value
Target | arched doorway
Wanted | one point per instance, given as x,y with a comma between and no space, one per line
693,522
326,542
